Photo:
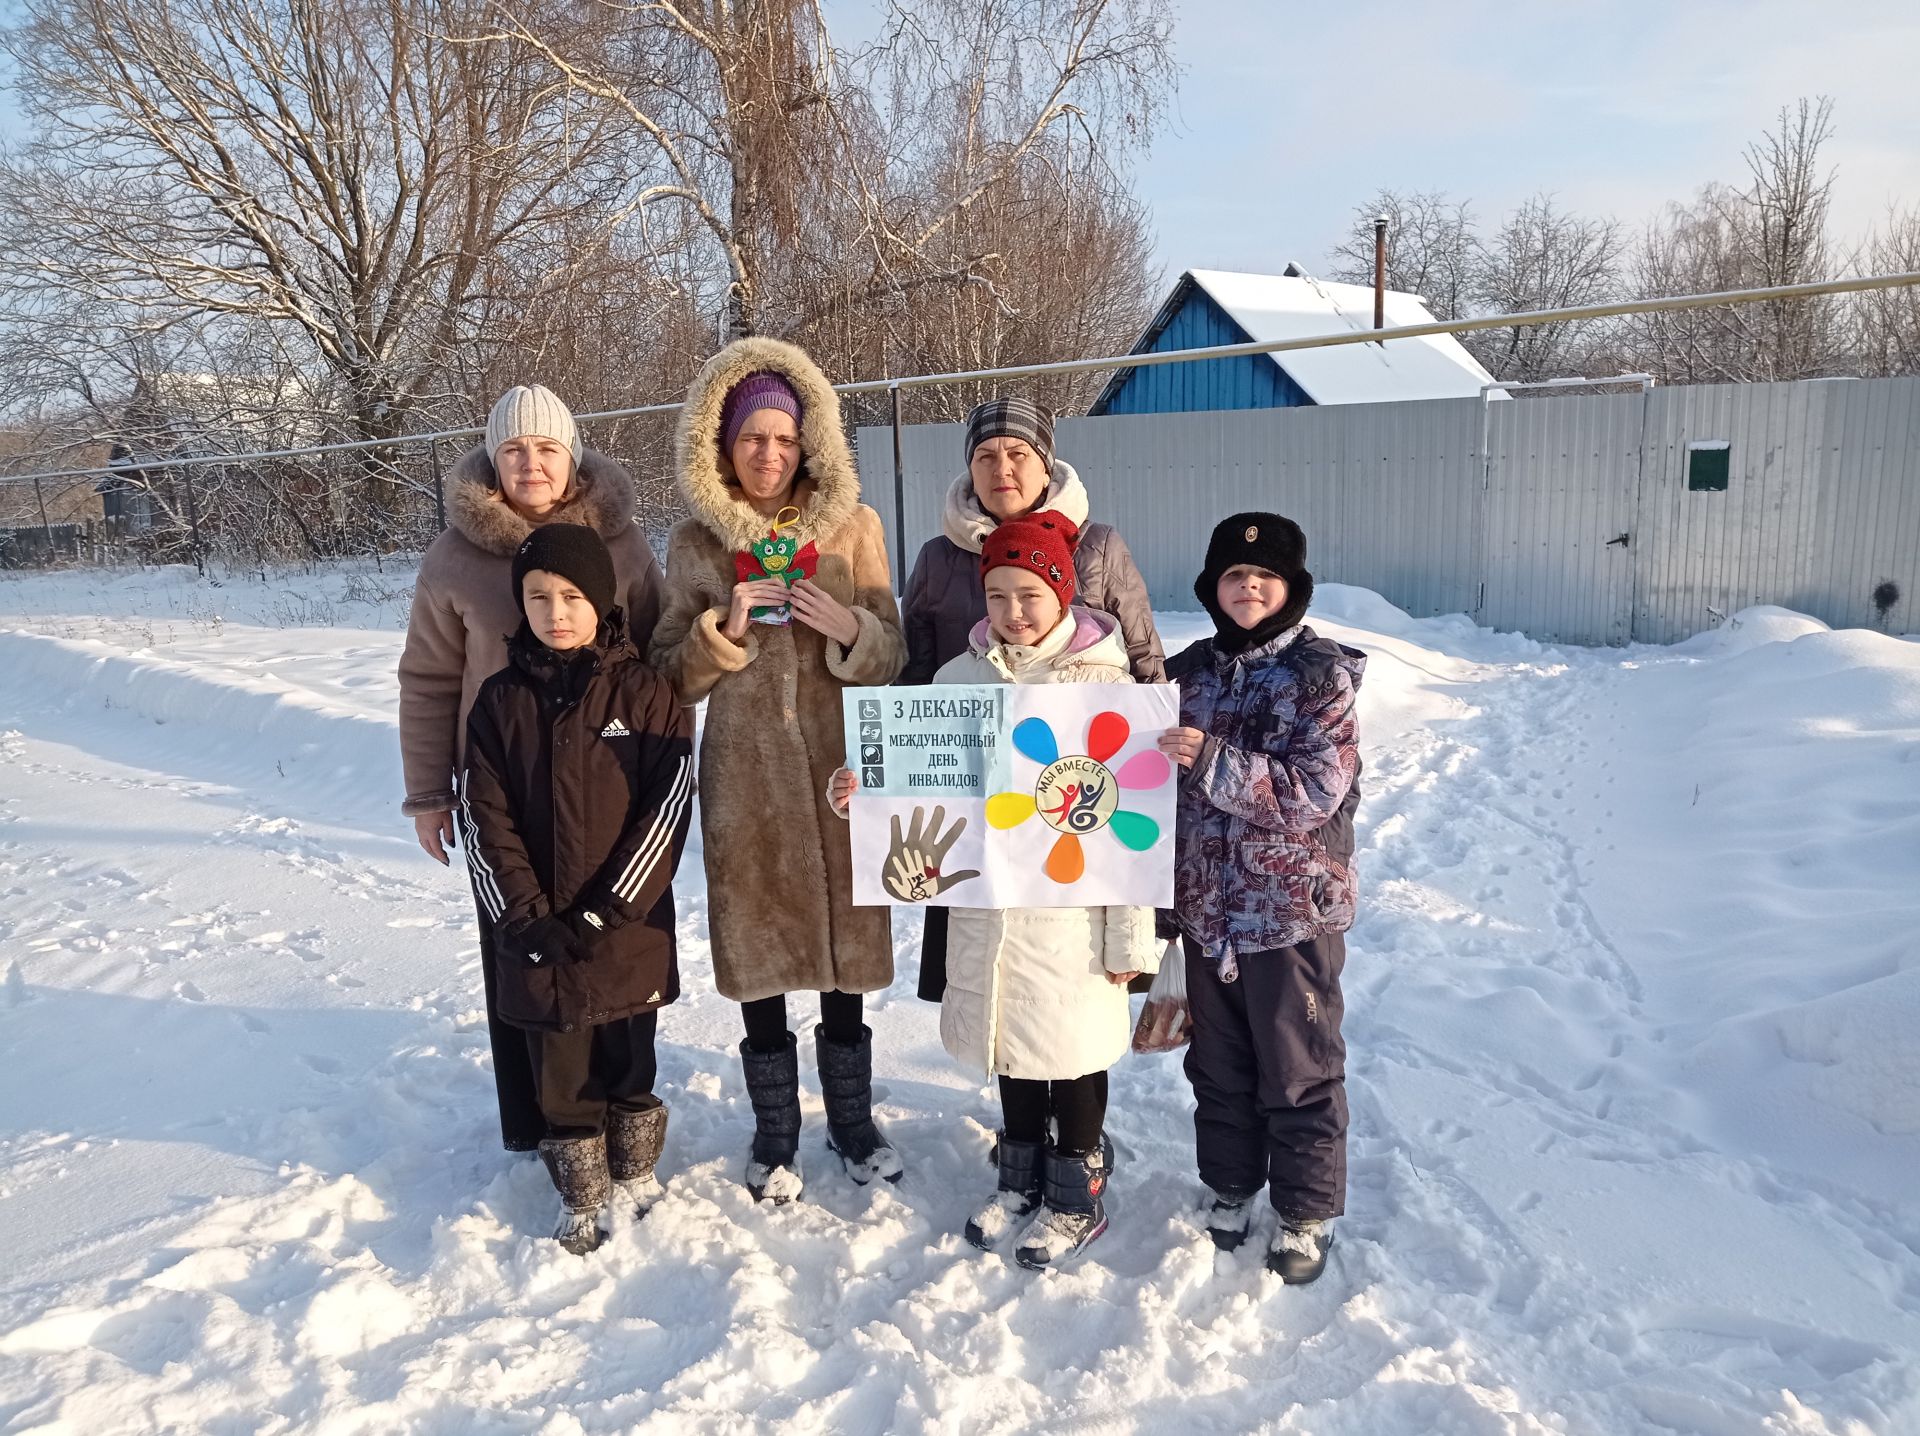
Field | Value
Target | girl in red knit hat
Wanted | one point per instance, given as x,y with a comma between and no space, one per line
1038,996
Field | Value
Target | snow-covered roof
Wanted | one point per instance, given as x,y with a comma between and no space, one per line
1297,306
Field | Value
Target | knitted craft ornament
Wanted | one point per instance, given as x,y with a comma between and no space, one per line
779,555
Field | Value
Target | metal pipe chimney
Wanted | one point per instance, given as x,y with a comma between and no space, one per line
1380,272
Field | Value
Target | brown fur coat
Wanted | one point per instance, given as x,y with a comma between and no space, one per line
779,869
463,608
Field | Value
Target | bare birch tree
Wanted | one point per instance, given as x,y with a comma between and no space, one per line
336,169
1886,323
1771,231
1544,257
804,165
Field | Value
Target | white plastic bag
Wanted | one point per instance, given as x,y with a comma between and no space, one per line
1165,1023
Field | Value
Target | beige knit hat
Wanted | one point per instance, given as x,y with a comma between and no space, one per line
532,409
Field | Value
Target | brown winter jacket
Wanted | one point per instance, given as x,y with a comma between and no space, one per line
576,796
463,608
946,596
779,871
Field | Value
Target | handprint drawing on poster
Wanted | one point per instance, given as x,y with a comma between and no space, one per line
912,871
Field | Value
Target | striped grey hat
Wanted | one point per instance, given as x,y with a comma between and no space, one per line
532,409
1016,418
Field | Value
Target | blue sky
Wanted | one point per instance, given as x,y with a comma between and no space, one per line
1292,114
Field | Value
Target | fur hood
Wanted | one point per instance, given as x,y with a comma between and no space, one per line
829,488
601,498
965,522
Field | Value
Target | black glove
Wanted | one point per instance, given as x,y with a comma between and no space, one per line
1165,926
587,927
545,942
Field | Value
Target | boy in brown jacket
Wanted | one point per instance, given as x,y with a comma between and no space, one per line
575,800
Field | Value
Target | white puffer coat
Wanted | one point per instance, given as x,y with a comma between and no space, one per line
1027,993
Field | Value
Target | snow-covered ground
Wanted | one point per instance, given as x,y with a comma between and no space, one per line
1632,1011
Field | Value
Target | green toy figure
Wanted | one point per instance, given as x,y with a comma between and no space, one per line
779,555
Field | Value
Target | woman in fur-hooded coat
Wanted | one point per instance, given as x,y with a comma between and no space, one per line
780,910
779,872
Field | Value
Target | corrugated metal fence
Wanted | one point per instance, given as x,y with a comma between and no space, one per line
1569,518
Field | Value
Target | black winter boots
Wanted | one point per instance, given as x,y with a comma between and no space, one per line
773,1086
578,1167
1298,1252
1072,1214
634,1140
1228,1219
846,1084
1018,1195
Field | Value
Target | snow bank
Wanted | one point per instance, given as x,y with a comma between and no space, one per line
304,735
1780,760
166,601
1750,628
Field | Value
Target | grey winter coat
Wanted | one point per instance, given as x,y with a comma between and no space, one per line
946,597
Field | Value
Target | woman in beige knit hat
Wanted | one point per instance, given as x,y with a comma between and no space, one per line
531,470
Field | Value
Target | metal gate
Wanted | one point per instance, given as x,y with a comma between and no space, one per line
1561,488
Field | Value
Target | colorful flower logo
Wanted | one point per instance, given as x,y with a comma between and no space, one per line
1078,795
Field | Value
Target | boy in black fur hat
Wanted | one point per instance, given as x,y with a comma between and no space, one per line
1264,889
575,798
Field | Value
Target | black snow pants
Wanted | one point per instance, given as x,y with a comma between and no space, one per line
521,1125
580,1074
1268,1068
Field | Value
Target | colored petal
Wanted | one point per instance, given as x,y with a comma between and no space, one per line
1035,739
1009,810
1106,735
1066,863
1135,830
1144,770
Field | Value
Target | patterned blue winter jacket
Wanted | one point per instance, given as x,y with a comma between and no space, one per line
1264,851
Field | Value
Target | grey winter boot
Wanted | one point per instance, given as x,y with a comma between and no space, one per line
846,1082
578,1166
1298,1253
1018,1195
1110,1151
1072,1215
634,1140
773,1086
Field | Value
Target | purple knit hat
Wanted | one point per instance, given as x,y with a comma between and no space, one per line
764,390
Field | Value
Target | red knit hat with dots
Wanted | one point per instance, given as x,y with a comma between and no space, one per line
1042,544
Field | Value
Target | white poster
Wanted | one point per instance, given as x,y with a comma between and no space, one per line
1004,795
